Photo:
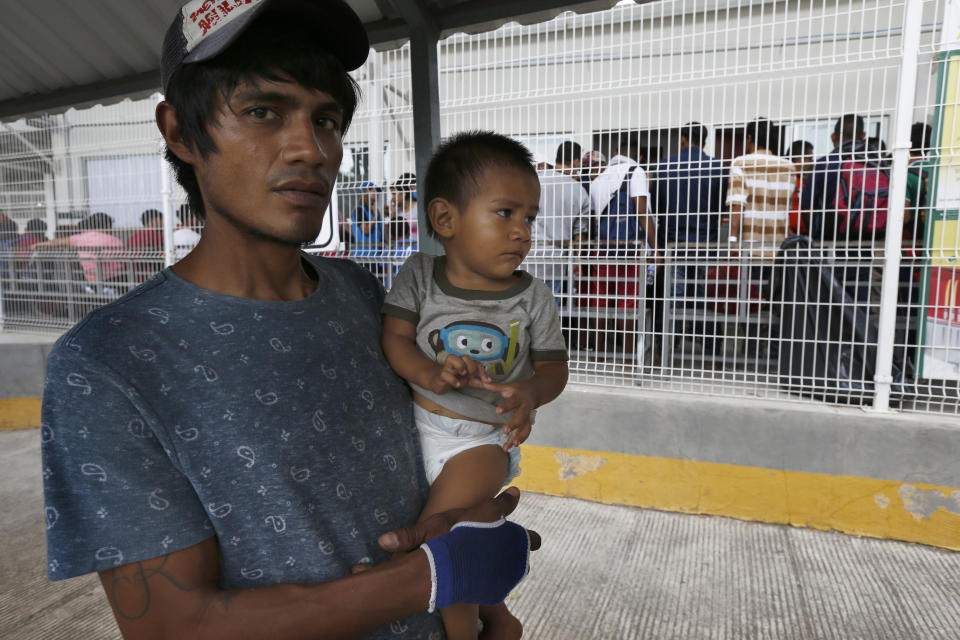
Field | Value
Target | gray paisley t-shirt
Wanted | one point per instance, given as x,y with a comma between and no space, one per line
176,414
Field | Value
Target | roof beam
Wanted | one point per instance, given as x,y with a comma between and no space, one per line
141,84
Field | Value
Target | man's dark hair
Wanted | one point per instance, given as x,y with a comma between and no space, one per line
96,222
800,148
765,134
8,229
920,134
567,152
694,132
274,48
459,162
149,216
405,182
36,225
849,127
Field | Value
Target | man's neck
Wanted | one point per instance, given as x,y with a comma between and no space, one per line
234,263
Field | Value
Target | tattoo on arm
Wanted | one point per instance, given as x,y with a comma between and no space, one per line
132,597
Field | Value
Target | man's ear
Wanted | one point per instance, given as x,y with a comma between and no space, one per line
443,217
166,117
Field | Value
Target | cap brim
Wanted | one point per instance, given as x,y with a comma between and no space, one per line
336,24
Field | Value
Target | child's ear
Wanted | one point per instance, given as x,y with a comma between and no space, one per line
442,215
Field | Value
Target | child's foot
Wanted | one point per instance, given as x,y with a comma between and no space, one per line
501,626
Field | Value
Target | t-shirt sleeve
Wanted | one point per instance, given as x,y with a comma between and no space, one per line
545,334
113,493
639,184
737,191
406,295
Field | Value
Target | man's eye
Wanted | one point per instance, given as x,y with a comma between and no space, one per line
260,113
329,123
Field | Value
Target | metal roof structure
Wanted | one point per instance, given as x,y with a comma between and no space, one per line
56,54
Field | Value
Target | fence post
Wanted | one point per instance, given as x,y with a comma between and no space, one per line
903,117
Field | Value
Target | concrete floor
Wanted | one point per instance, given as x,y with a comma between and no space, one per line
604,572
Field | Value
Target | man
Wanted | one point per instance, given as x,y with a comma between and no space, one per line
222,444
403,203
688,200
688,196
149,240
93,243
827,213
820,191
564,209
185,238
801,152
759,192
918,183
365,225
619,201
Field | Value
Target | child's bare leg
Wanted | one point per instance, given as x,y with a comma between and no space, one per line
467,478
499,623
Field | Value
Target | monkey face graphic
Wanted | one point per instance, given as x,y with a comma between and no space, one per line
480,341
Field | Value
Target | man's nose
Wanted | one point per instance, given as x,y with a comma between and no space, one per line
303,142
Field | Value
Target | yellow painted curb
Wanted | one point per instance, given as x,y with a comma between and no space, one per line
19,413
913,512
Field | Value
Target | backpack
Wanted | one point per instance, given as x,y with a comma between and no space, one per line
862,199
618,220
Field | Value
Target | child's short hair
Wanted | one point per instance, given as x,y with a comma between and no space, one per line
460,160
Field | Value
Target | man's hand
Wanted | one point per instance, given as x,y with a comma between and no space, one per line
456,372
487,510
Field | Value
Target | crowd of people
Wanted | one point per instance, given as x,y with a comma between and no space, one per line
615,232
90,258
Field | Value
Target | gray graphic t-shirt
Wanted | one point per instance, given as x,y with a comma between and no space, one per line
176,414
506,331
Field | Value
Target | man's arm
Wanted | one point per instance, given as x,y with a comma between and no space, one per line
177,595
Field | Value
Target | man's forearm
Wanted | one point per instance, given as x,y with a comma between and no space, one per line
170,597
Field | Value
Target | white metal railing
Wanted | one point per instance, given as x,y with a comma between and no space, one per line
713,321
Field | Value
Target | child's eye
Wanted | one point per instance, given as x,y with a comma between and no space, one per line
504,212
529,220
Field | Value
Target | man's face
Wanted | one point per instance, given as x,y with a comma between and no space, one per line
278,151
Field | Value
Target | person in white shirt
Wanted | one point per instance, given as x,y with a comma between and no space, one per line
564,207
403,201
184,237
616,230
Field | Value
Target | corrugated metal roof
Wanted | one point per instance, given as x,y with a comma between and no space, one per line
55,54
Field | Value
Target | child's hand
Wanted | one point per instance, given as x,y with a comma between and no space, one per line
516,398
458,371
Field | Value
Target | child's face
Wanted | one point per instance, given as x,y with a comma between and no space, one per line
491,235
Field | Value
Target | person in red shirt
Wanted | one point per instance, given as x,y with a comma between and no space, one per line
145,242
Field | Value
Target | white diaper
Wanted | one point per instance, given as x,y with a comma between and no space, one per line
441,438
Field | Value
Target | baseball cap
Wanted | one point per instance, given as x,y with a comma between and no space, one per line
365,185
204,28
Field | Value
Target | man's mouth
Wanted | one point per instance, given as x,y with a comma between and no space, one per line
304,193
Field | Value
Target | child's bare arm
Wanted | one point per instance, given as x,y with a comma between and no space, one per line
549,379
399,342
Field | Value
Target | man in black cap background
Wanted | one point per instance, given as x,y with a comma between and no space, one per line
226,442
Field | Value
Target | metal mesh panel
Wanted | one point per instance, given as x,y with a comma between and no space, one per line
691,311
